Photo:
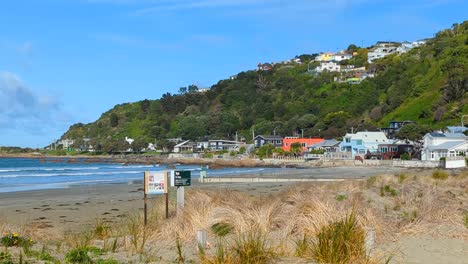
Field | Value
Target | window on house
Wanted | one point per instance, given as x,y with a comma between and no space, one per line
303,144
359,142
347,140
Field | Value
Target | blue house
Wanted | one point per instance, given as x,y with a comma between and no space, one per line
362,142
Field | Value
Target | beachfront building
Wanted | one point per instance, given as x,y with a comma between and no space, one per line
276,141
439,145
305,142
221,144
327,145
395,149
361,143
184,146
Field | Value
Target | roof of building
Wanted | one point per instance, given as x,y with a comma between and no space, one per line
269,137
446,135
457,129
367,136
181,144
448,145
325,143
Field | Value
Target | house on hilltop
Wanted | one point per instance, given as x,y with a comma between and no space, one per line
382,49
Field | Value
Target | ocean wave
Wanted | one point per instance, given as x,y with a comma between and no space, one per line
69,174
50,169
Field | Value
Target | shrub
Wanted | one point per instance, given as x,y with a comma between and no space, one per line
78,255
371,181
387,189
439,175
402,177
106,261
340,242
5,258
252,248
303,246
221,229
405,156
15,240
340,197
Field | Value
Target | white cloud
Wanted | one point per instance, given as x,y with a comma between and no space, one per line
21,108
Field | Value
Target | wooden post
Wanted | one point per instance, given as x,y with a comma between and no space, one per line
180,199
145,182
166,194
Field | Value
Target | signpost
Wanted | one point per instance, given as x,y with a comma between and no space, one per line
180,179
155,183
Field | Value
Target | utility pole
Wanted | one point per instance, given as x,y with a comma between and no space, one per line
253,133
302,133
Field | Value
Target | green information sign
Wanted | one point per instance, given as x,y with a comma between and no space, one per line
182,178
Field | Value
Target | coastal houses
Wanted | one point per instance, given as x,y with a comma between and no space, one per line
361,143
439,145
276,141
305,142
327,145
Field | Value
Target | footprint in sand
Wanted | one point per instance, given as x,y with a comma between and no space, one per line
63,205
106,213
114,209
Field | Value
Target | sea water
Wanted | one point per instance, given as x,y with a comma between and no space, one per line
22,174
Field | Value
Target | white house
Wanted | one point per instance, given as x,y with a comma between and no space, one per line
441,145
382,49
185,146
363,142
330,66
66,143
341,56
221,144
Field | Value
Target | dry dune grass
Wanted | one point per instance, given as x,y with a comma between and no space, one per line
277,225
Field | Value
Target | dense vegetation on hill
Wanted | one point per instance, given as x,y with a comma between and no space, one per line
428,84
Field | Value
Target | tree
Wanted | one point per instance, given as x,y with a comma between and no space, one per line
296,148
413,132
139,144
352,48
182,90
145,106
114,120
192,88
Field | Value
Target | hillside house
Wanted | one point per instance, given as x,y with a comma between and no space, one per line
276,141
441,145
264,67
66,143
330,66
327,56
305,142
394,127
341,56
361,143
382,49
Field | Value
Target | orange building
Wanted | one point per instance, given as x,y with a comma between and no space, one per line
305,142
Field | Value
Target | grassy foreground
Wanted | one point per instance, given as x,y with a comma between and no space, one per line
345,222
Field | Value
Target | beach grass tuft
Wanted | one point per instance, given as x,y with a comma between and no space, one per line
439,175
340,242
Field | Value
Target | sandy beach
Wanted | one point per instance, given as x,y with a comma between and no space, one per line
53,213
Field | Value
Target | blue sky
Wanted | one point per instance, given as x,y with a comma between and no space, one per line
68,61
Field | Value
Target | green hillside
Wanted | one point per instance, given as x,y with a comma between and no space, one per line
428,84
